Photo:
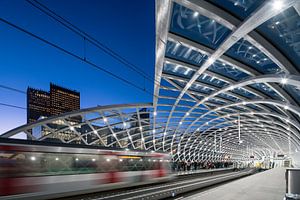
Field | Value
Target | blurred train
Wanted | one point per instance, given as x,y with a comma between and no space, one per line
33,170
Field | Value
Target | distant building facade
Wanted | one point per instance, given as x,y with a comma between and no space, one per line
45,104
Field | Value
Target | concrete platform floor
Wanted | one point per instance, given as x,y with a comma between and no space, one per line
268,185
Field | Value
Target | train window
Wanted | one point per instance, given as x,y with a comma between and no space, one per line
41,164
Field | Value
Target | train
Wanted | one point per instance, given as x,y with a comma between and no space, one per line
41,170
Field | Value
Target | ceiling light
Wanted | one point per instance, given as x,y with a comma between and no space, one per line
277,4
286,107
104,119
284,81
72,128
180,123
210,61
154,113
154,131
277,22
195,14
187,114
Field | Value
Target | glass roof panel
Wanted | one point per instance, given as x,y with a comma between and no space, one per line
180,52
216,101
228,71
200,88
283,31
246,53
267,90
239,8
190,24
212,80
178,70
228,97
244,93
254,107
294,91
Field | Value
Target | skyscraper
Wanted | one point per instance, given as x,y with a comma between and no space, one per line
38,104
44,104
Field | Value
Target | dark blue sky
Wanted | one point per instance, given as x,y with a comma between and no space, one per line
127,27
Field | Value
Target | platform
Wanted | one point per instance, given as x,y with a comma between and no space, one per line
268,185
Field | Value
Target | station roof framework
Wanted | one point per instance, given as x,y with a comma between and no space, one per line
227,86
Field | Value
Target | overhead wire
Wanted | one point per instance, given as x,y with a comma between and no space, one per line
98,67
12,89
90,39
12,106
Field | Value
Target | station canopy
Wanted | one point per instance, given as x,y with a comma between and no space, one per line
227,87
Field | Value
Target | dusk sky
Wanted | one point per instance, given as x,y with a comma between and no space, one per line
127,27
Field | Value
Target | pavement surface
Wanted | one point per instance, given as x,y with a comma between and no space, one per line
267,185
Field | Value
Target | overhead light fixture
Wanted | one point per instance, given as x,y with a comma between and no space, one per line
210,61
104,119
277,4
187,114
286,107
195,14
180,123
284,81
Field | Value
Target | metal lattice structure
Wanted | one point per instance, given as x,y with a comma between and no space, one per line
226,87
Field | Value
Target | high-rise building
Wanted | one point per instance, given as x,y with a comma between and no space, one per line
63,100
38,104
44,104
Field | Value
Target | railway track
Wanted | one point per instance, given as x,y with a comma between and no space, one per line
183,184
